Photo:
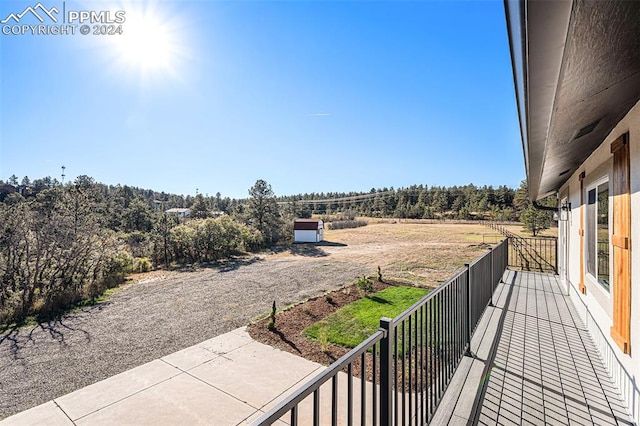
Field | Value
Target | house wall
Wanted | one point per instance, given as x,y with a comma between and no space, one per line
595,307
305,236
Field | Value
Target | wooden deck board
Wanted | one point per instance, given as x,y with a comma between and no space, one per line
539,364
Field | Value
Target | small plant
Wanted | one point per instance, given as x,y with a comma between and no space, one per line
272,318
323,338
365,285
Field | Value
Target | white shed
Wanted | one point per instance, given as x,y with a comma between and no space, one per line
308,231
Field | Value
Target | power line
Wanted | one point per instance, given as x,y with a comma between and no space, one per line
351,198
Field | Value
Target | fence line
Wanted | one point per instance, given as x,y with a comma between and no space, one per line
530,254
405,367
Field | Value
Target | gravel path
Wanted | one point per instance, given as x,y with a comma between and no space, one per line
151,319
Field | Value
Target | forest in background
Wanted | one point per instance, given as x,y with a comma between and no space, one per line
64,244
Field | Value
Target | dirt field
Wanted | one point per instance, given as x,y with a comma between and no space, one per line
167,311
426,254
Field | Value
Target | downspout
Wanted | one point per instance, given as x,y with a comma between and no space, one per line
545,208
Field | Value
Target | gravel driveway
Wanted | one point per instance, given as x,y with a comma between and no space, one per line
151,319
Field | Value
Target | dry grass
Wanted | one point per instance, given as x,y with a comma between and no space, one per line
421,253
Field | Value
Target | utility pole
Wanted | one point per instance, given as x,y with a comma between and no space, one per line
63,169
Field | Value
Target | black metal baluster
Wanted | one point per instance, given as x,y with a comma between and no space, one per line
395,376
316,407
334,400
363,389
449,326
441,340
350,394
294,415
433,367
403,376
374,380
409,372
386,370
422,364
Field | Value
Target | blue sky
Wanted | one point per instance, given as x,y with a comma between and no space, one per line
310,96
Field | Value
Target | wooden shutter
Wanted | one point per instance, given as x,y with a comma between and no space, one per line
581,285
621,241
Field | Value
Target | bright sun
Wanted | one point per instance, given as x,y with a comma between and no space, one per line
149,45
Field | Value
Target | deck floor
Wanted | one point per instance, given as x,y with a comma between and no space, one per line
535,363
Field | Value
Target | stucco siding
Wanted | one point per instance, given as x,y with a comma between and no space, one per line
596,306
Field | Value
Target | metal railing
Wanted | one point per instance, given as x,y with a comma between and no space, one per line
530,254
399,374
534,254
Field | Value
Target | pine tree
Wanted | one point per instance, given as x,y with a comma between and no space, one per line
263,210
534,220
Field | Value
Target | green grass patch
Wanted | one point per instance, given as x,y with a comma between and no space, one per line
352,324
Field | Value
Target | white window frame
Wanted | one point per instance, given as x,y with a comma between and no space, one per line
594,185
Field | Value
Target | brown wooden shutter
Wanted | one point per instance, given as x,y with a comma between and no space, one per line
581,285
621,241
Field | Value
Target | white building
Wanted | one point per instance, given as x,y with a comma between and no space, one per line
577,75
178,212
308,231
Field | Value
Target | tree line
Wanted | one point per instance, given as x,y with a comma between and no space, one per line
61,244
416,202
65,244
468,202
129,206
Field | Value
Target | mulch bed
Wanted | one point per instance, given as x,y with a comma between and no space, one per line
290,323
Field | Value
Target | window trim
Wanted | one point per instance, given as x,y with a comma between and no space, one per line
588,188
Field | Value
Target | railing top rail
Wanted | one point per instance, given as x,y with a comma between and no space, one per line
440,288
312,385
541,237
411,309
480,258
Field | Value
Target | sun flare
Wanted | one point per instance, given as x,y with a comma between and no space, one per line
150,45
146,43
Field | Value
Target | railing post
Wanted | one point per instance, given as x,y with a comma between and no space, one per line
386,370
555,263
468,330
506,255
491,276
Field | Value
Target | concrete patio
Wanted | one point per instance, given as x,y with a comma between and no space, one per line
534,363
227,380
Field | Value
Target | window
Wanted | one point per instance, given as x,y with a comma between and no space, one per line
597,230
